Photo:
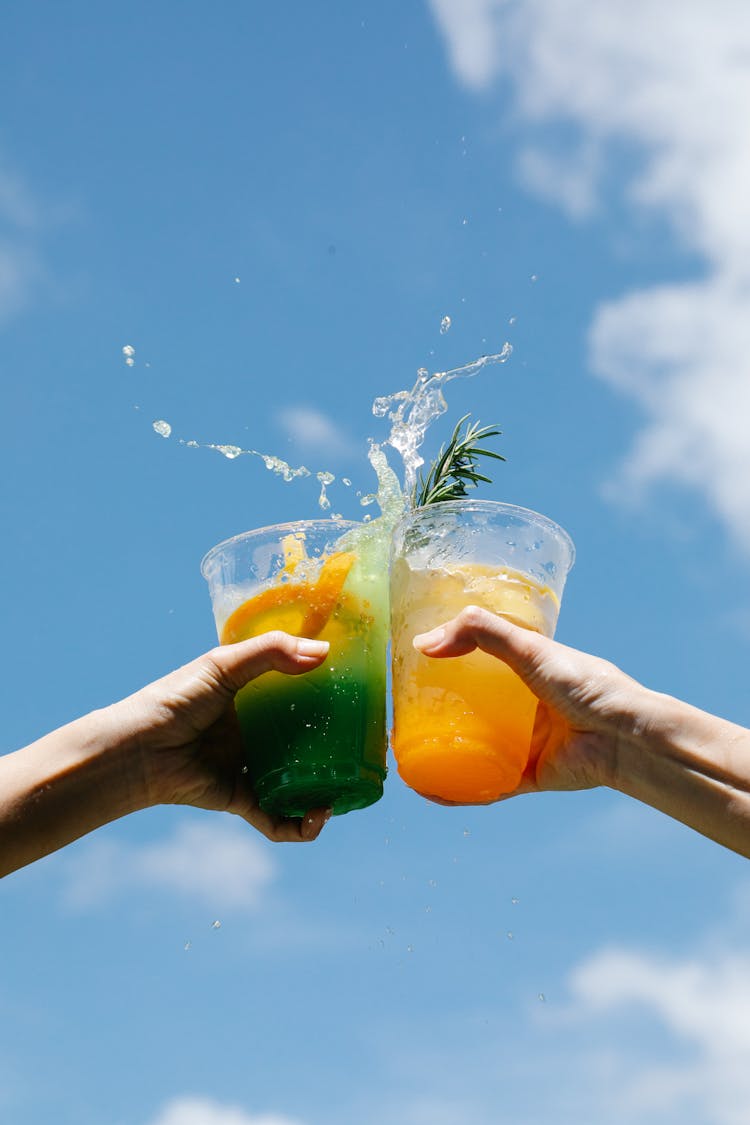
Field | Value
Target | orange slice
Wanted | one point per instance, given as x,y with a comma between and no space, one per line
327,592
302,609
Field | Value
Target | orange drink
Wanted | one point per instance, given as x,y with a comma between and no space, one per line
462,726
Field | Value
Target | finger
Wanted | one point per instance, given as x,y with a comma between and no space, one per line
573,683
313,823
474,628
544,665
283,829
239,663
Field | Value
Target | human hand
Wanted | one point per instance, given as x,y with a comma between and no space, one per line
586,708
188,738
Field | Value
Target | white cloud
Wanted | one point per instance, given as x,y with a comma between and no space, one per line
703,1003
671,82
313,430
220,862
469,27
205,1111
682,353
568,178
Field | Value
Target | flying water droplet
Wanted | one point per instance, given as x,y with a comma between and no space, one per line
445,324
324,479
163,428
216,924
281,468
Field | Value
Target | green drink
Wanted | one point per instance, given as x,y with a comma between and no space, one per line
316,740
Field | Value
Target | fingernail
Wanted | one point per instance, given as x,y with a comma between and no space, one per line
435,637
306,647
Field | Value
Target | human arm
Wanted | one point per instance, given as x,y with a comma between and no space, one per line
175,741
597,726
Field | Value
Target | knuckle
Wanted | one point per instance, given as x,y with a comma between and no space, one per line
473,617
214,665
276,641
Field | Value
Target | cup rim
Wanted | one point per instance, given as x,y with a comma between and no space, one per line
470,504
282,528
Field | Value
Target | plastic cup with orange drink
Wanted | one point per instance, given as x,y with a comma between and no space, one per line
462,725
316,740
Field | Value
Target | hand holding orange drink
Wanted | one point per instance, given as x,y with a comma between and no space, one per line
462,726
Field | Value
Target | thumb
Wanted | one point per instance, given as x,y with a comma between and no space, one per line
530,655
237,664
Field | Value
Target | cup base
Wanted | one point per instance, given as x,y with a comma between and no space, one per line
460,771
283,795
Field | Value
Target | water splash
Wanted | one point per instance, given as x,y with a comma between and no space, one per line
411,412
229,451
324,479
281,468
274,464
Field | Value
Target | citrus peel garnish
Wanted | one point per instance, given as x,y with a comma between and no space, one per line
302,608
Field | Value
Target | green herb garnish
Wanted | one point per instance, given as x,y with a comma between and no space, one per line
455,467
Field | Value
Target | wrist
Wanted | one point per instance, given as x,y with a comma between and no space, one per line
681,759
107,748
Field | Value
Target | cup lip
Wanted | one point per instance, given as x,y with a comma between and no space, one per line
280,528
470,504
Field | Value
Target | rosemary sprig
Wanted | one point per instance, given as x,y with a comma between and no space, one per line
455,467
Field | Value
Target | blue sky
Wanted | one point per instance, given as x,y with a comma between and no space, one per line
275,207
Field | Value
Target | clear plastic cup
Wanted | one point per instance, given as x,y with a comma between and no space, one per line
318,739
462,725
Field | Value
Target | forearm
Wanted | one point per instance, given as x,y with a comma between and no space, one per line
67,784
691,765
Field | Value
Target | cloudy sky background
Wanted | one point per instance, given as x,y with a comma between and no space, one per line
276,210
